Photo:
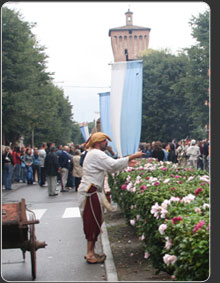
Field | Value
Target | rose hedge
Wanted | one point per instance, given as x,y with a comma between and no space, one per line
169,208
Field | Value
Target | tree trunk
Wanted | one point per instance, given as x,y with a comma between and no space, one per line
32,138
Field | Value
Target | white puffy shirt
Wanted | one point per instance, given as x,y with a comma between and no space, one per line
95,164
193,151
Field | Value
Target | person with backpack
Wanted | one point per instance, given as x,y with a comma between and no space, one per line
52,167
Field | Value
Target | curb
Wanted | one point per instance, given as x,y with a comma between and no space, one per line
111,272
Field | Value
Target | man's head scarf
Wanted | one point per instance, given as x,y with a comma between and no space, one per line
96,137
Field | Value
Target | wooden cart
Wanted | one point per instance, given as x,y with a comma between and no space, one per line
19,232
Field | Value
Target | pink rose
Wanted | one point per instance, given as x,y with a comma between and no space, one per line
162,228
176,219
173,189
197,209
146,255
124,187
169,259
143,188
196,192
132,222
198,226
168,244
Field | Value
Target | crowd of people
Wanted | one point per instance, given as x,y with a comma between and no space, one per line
27,164
186,152
35,165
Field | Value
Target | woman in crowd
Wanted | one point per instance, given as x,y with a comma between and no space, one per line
172,154
77,168
16,154
70,179
181,153
36,166
28,159
157,151
23,167
7,166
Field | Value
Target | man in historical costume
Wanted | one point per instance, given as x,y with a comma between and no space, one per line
96,163
193,152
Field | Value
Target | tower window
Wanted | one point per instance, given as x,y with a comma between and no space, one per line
126,54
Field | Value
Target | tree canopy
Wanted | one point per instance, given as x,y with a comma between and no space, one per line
30,101
175,89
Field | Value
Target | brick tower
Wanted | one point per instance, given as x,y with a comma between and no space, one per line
128,41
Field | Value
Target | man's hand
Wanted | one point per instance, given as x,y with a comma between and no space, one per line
138,154
132,163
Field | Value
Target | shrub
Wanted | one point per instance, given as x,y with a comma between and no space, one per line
169,208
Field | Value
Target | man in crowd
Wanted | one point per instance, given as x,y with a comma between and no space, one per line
65,162
52,168
42,156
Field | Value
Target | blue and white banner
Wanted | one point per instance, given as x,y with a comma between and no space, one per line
84,130
126,105
104,108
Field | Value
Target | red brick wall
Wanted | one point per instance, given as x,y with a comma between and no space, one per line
134,44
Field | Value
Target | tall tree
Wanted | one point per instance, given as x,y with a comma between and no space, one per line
175,89
31,105
197,79
23,72
163,111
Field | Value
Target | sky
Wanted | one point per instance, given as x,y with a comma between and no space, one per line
75,35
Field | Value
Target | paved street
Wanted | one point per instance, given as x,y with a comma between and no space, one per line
61,227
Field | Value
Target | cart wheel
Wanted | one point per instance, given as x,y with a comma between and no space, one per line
33,250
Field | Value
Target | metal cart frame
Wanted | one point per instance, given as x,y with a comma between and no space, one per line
18,232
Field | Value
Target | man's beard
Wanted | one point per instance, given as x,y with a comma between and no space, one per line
103,147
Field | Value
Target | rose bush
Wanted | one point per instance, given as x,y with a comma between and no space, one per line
169,208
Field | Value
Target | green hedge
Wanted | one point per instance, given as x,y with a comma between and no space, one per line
169,208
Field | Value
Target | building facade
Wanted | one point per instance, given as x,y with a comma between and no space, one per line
129,40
